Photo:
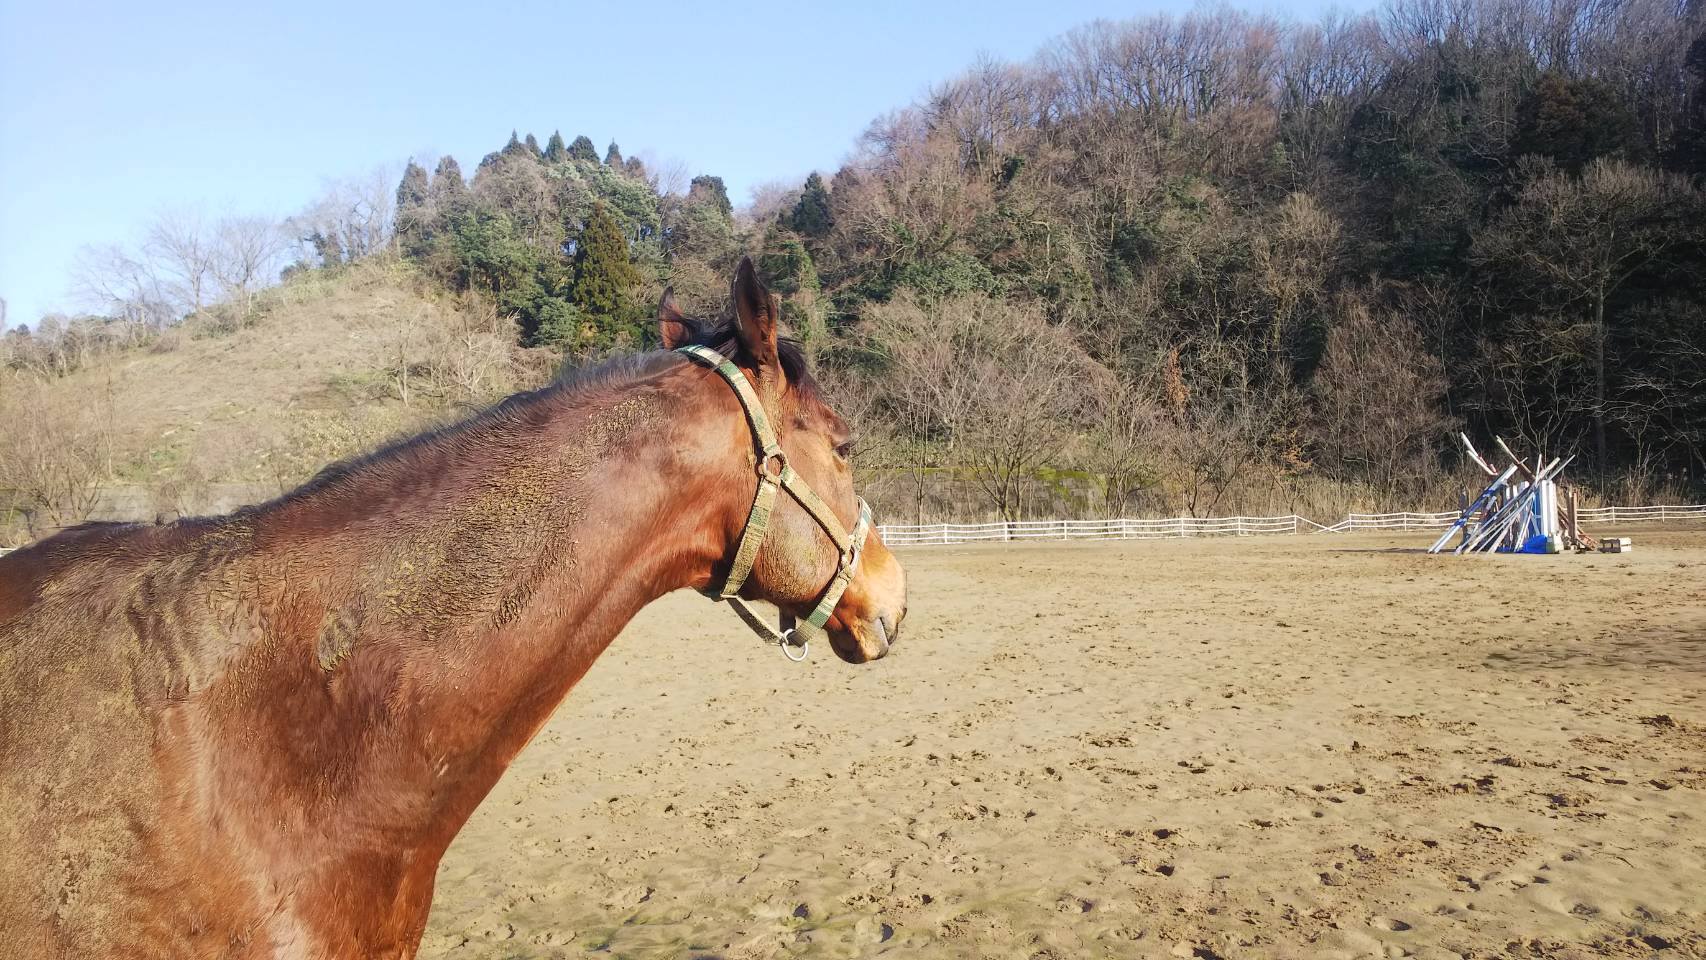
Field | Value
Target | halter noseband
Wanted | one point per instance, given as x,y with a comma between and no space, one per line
774,473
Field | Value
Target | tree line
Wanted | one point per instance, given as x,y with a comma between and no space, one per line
1252,250
1178,263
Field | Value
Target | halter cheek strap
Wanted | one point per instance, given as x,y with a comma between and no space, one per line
774,475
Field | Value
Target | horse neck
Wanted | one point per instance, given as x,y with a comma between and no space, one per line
460,592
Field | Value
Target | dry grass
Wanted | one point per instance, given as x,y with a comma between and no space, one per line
325,367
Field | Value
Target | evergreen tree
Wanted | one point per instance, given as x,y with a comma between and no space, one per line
327,248
414,190
555,151
1574,121
449,191
811,216
582,149
786,266
533,147
414,195
515,147
708,189
604,278
699,226
613,157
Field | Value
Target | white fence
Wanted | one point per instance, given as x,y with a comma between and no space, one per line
1395,521
1641,514
899,534
1439,521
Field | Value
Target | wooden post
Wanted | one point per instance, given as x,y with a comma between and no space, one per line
1571,529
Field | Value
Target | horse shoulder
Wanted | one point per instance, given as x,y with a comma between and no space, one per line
104,630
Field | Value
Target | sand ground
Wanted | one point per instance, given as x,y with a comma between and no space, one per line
1282,747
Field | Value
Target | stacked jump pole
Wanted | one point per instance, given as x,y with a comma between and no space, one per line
1518,512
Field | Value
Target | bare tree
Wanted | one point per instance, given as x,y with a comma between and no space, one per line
1006,389
1294,257
353,217
470,355
984,111
180,246
767,201
114,282
1125,441
55,449
246,254
667,175
1379,398
1570,244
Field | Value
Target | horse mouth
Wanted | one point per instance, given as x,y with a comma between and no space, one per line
863,645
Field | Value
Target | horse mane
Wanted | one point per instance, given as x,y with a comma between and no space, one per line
613,373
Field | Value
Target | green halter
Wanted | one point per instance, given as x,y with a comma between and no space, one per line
774,473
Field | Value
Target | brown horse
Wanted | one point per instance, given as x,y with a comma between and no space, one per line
255,735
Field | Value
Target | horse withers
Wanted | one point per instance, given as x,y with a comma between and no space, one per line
255,735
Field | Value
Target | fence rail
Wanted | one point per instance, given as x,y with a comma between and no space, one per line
901,534
1172,528
1641,514
1121,529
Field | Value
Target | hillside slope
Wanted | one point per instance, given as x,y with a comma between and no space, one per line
210,414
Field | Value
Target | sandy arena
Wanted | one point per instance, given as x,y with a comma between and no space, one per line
1317,746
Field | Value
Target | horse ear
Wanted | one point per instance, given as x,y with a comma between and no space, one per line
757,313
674,329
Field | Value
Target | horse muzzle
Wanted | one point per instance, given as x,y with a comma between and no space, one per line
866,640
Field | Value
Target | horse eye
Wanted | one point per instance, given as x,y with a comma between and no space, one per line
844,449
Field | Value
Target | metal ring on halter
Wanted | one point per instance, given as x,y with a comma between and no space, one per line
788,637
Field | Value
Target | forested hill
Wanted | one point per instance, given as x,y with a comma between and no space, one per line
1324,243
1184,264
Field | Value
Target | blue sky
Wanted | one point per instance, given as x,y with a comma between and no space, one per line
113,112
